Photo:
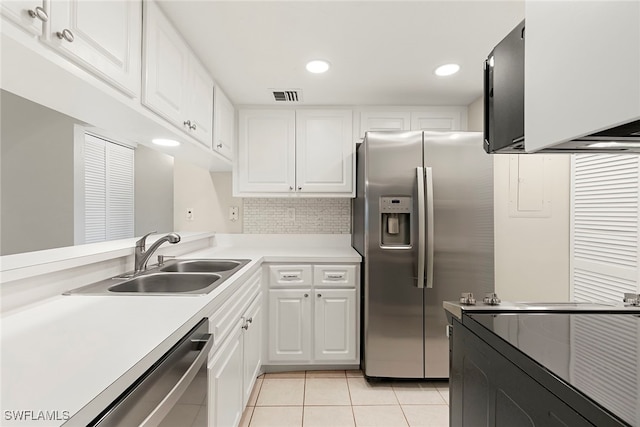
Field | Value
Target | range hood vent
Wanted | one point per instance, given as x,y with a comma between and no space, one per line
287,95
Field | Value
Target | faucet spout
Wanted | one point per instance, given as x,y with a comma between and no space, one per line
142,255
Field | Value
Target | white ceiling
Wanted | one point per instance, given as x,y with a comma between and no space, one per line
381,52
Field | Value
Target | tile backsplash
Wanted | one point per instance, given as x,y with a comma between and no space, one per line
297,216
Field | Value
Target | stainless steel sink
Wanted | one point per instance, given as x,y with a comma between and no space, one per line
163,283
203,265
176,277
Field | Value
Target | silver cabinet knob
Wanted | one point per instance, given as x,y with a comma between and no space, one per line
193,126
319,295
299,188
66,34
290,188
38,13
245,326
250,320
219,146
306,295
187,123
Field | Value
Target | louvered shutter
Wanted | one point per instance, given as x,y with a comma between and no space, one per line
606,368
108,190
604,226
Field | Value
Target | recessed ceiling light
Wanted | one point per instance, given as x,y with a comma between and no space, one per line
447,69
318,66
165,142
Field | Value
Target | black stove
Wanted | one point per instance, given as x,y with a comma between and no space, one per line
596,354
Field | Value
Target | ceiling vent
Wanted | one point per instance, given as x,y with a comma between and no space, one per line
287,95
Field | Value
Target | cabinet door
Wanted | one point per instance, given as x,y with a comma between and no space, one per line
436,120
381,120
223,124
335,324
567,93
252,342
266,151
18,12
324,151
165,64
200,106
106,38
225,383
289,325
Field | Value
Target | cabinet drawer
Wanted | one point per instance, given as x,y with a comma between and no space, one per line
289,275
226,317
334,275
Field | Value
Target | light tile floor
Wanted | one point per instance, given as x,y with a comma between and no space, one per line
344,399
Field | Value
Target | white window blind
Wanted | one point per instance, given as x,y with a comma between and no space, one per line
108,190
604,226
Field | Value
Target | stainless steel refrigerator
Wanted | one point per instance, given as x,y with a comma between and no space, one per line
423,222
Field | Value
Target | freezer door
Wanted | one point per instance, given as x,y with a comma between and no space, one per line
462,198
393,303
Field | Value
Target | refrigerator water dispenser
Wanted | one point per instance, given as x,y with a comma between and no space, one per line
395,221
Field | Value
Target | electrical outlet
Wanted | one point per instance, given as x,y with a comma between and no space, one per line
234,212
190,214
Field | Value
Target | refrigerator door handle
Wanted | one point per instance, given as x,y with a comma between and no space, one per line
421,227
429,238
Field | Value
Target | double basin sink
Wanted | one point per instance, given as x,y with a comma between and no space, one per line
176,277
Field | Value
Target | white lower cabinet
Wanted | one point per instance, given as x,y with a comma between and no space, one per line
225,383
236,359
290,324
317,322
335,324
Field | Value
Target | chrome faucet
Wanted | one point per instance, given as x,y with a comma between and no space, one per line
142,256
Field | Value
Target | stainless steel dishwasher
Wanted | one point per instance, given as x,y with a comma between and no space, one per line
173,392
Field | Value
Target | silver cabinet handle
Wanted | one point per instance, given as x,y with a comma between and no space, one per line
245,326
38,13
66,34
290,276
187,123
290,188
335,276
193,126
421,226
299,188
250,320
219,146
430,227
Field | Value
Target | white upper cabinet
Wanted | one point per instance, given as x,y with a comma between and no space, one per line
30,15
100,36
224,123
175,84
430,118
266,152
301,152
582,68
324,151
384,120
436,120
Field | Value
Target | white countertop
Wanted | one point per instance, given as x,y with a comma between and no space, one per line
62,353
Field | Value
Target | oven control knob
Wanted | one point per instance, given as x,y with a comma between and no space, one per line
467,299
632,299
491,299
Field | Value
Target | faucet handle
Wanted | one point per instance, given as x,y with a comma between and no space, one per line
141,243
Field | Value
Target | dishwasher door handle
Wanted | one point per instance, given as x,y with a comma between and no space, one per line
163,408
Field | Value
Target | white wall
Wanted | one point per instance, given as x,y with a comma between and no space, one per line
37,176
531,247
153,191
208,195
